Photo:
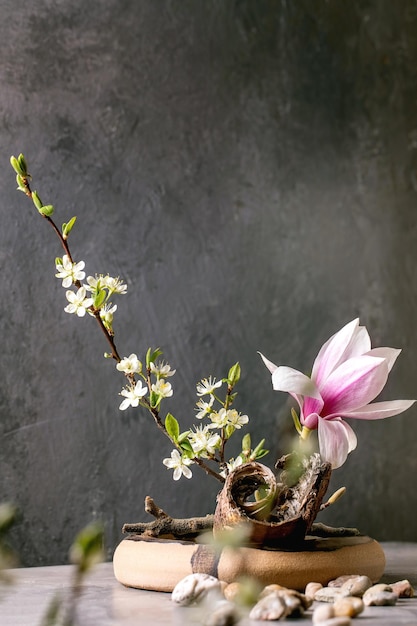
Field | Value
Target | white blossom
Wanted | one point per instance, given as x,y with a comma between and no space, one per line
78,303
204,408
179,464
203,442
69,272
130,365
228,417
162,388
232,465
132,395
114,285
161,369
207,386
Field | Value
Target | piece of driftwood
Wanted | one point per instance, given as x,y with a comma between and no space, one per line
277,512
165,526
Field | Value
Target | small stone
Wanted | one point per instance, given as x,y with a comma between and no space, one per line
402,589
223,614
323,613
340,580
311,589
193,588
378,587
269,589
356,586
349,606
379,598
271,607
328,594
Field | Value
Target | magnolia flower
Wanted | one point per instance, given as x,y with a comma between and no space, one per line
346,376
78,303
179,464
130,365
69,272
204,408
133,395
162,388
161,369
203,442
207,386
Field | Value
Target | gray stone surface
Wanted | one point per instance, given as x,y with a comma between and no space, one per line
104,602
249,168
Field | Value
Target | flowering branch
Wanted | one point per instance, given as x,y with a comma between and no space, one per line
148,387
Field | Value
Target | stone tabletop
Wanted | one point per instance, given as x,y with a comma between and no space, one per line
105,602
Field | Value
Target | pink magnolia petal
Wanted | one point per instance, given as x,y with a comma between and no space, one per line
359,344
336,440
389,354
331,353
354,384
292,381
271,366
380,410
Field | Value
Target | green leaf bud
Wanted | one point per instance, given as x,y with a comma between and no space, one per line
67,227
17,167
36,200
22,163
233,376
108,355
46,210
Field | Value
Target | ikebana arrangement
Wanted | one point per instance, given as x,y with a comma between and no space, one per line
279,508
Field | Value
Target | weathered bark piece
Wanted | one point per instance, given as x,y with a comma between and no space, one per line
294,502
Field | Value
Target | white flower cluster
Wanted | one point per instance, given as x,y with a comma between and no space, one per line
201,442
130,365
99,287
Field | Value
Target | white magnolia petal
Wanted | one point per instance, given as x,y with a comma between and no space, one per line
380,410
292,381
389,354
271,366
354,384
331,353
336,440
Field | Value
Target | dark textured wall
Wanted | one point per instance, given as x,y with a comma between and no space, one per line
250,169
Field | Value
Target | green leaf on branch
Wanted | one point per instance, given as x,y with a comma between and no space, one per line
187,448
100,298
246,444
172,427
259,451
151,356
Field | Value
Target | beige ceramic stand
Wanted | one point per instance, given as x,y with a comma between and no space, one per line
159,564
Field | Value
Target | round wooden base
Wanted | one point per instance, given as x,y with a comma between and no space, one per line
159,564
